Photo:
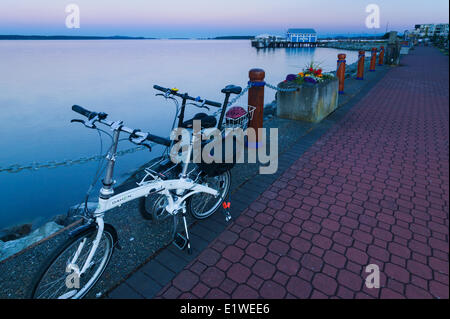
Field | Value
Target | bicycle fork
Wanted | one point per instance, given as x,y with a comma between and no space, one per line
73,263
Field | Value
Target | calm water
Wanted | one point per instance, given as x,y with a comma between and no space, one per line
41,80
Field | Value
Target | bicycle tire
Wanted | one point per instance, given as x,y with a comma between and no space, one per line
108,232
217,205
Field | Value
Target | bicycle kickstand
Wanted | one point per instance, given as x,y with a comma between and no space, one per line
187,232
180,241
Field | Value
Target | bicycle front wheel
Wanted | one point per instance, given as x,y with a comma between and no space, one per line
56,281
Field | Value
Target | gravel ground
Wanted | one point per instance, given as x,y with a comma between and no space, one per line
140,239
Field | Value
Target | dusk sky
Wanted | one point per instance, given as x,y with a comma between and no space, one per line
209,18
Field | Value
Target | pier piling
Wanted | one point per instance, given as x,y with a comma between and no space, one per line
341,71
361,64
373,60
256,99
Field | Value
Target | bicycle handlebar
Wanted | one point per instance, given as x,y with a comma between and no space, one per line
101,117
158,140
186,96
81,110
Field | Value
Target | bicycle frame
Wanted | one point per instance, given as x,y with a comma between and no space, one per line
183,186
176,191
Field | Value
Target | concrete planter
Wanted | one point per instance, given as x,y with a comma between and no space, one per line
311,102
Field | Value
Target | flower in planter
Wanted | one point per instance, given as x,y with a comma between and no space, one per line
291,77
310,79
311,74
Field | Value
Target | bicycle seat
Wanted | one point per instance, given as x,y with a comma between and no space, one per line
207,121
232,89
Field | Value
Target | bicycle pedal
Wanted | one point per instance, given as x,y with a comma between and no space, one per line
180,241
226,210
228,216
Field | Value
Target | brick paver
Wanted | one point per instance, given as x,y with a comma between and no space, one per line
373,190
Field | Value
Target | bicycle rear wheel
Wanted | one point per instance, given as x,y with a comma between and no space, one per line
202,205
55,281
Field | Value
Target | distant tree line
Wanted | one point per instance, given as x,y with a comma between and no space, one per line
64,37
235,37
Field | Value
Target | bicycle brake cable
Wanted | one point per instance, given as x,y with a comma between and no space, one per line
100,169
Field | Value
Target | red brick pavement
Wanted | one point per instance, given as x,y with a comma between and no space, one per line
373,190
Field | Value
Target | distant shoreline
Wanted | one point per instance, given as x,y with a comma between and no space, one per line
119,37
63,37
66,37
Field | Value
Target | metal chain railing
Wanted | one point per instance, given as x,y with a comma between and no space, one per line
16,168
259,84
276,88
237,97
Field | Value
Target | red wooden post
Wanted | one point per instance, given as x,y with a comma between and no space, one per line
340,73
373,60
361,65
381,56
256,99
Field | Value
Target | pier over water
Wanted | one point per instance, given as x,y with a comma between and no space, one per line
281,43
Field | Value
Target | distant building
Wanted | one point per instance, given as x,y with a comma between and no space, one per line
301,35
431,30
424,30
441,30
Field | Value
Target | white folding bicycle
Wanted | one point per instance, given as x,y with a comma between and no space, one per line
76,266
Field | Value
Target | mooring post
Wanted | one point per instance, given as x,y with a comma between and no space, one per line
256,99
361,65
381,56
341,71
373,60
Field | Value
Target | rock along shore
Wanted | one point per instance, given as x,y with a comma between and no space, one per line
354,45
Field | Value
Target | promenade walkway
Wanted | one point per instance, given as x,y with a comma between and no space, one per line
372,190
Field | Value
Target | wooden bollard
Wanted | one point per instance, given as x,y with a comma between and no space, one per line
381,56
256,99
373,60
361,65
340,72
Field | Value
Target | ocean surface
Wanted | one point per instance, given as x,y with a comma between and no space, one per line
41,80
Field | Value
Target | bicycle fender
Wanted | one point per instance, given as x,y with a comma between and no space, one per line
89,226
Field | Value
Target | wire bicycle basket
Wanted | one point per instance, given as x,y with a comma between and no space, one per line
239,117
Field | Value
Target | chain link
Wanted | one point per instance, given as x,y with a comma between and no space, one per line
273,87
16,168
276,88
237,97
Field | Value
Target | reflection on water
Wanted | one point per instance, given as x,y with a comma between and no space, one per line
41,80
300,52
